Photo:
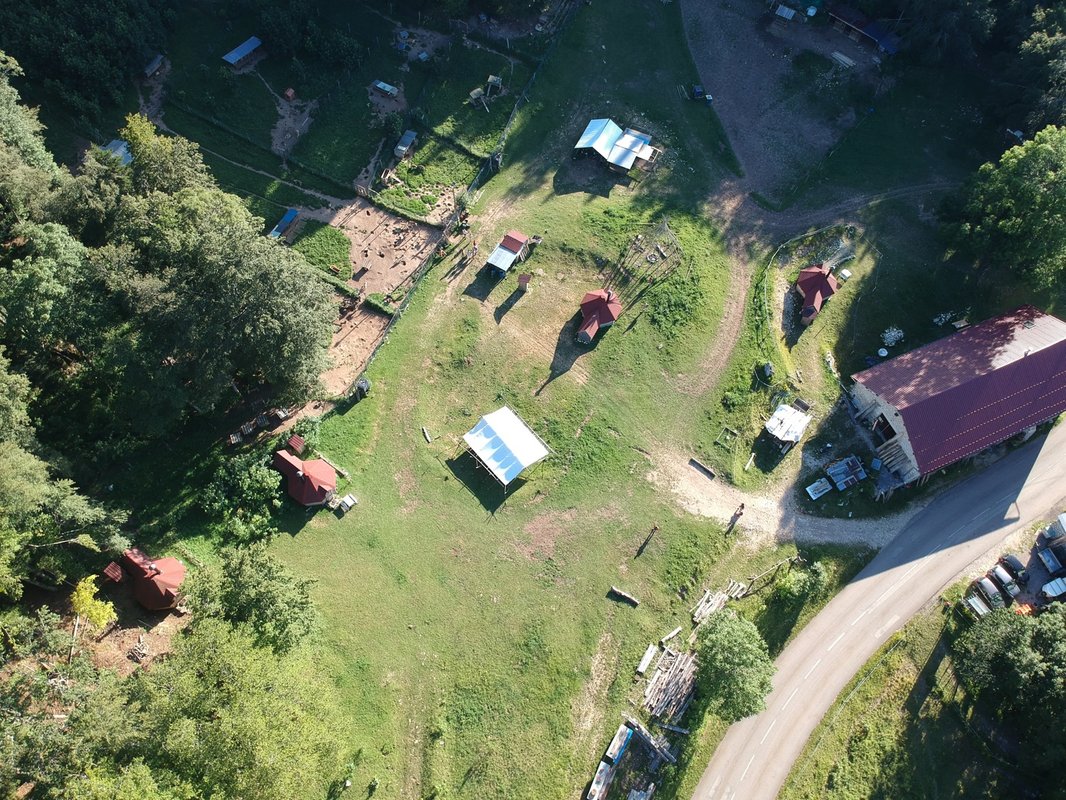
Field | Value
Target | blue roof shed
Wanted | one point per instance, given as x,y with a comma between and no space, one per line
284,223
242,51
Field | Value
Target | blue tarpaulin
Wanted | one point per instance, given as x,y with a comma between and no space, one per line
242,51
285,222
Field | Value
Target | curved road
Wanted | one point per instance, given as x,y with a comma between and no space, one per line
940,542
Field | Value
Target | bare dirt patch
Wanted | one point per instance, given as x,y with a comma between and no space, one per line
543,532
772,515
744,63
154,629
386,251
588,707
294,118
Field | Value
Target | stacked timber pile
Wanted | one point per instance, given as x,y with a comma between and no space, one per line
715,601
708,604
671,686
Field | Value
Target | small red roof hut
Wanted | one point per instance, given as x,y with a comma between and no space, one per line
309,483
156,582
599,309
815,285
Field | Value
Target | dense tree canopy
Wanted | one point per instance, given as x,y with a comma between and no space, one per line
735,668
1018,665
1014,212
84,53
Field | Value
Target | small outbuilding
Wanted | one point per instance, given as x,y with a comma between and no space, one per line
240,55
156,582
309,483
599,309
621,149
513,247
286,221
504,445
857,26
787,424
815,285
153,66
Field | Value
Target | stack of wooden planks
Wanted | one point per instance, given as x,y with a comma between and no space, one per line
669,691
708,604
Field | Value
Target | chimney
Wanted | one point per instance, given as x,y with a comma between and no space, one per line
610,295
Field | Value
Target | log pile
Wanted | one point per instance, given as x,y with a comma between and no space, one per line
670,689
708,604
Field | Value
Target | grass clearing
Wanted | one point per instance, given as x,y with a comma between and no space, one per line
904,728
324,246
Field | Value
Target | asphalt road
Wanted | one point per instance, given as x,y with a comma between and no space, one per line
755,757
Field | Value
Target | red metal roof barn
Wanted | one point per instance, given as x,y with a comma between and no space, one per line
309,483
156,582
815,285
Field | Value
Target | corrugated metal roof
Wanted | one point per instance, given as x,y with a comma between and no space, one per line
502,258
600,135
242,50
975,388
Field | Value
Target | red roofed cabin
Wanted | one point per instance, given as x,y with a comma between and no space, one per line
599,309
815,285
156,582
309,483
954,397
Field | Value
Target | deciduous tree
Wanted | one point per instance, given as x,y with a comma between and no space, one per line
735,669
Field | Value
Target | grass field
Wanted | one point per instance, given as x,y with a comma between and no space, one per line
903,729
469,633
324,246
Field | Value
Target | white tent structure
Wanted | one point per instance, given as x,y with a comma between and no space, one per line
788,424
505,445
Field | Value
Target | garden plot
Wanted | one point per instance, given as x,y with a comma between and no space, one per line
385,252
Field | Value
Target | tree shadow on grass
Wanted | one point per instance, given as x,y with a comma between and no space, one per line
586,176
567,350
485,488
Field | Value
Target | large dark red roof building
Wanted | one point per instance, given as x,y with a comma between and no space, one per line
309,483
957,396
815,285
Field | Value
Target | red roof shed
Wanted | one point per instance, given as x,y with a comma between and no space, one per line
296,443
309,483
515,242
815,285
156,582
599,309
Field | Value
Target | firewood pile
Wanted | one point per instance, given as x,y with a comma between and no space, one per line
139,652
715,601
669,691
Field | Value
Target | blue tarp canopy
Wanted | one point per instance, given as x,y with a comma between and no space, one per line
888,42
285,222
242,51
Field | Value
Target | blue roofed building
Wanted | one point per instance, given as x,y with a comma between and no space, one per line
243,53
621,149
284,223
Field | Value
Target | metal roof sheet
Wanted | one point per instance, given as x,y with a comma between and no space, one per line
245,48
975,388
502,258
600,135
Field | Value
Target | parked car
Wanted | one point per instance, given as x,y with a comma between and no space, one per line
697,92
1016,568
1054,590
1004,581
989,591
977,605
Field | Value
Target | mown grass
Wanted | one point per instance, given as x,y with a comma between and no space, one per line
324,246
903,728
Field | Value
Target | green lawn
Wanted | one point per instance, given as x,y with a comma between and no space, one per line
903,728
464,627
324,246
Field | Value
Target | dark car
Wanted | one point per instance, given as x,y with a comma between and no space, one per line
1014,566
